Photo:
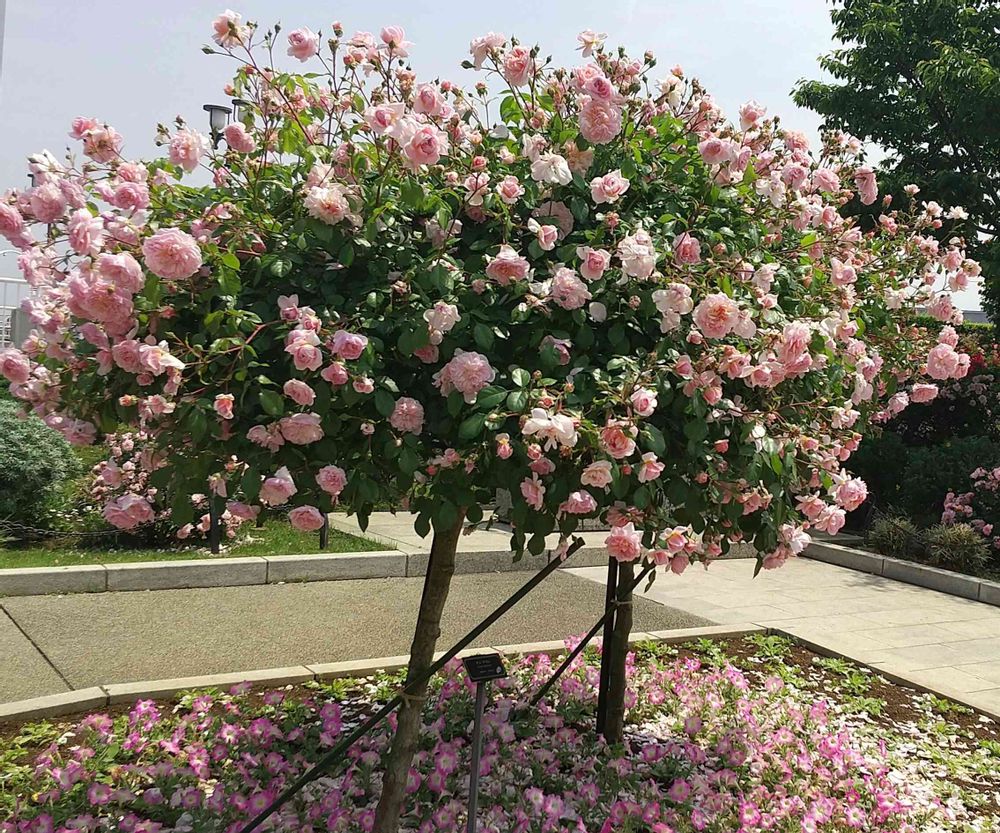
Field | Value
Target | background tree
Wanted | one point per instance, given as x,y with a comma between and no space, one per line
921,79
586,287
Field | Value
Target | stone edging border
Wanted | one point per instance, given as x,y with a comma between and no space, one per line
933,578
101,696
267,569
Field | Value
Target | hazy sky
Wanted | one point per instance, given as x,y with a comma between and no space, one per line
134,63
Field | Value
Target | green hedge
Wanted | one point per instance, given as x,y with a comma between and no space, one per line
35,461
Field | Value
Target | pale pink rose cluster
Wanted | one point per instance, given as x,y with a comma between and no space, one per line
172,254
128,512
407,416
467,372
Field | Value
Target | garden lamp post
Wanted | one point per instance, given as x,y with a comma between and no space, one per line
218,118
239,108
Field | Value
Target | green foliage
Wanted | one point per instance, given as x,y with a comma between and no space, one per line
921,78
914,481
959,547
35,462
895,536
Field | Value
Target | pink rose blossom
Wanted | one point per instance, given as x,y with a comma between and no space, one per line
303,44
944,362
643,401
407,416
86,232
123,270
533,492
518,66
687,249
335,374
593,262
717,315
299,392
608,188
624,543
597,474
567,290
328,204
600,122
301,429
186,149
348,346
468,373
923,392
172,254
510,189
238,139
650,468
617,439
14,366
851,493
128,512
306,518
224,405
278,488
508,266
227,29
332,480
579,503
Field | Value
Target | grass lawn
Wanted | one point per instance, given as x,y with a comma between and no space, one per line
276,537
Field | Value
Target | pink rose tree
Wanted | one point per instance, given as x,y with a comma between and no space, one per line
584,286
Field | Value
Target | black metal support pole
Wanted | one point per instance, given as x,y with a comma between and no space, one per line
477,749
324,533
610,599
551,681
347,742
214,531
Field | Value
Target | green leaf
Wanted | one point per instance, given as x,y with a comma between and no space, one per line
653,439
346,255
272,402
490,398
536,544
471,427
384,402
455,403
411,193
281,267
230,260
696,430
483,336
517,400
520,377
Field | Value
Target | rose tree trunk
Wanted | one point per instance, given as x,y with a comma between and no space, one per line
615,725
440,569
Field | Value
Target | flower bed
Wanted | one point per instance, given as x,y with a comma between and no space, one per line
745,735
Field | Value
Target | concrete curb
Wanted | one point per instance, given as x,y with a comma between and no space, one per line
108,694
270,569
909,572
97,697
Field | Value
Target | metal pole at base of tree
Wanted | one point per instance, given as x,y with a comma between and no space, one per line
324,533
610,602
481,669
214,526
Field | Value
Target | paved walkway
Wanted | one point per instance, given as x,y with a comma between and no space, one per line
51,644
943,642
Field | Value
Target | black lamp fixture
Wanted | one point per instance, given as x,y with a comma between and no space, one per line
239,108
31,180
218,118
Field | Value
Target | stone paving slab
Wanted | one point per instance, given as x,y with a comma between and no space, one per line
109,638
24,672
933,639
